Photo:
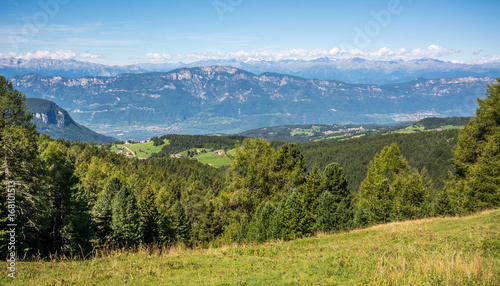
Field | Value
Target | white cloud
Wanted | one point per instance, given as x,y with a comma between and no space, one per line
88,55
54,55
495,58
433,51
158,58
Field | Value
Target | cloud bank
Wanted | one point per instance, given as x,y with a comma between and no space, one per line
432,51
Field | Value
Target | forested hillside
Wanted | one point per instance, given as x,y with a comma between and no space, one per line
430,150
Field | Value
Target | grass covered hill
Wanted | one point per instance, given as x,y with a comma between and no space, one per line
436,251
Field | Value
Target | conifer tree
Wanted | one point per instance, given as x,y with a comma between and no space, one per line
295,222
276,224
20,165
148,216
261,221
180,224
102,211
211,226
476,156
327,207
311,190
125,217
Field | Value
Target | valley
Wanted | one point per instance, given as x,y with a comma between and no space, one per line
225,100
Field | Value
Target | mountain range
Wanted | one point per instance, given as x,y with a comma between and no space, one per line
56,122
68,68
353,70
221,99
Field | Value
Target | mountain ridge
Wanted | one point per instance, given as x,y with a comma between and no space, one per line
350,70
51,119
220,99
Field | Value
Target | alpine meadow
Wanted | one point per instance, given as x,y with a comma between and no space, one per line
249,143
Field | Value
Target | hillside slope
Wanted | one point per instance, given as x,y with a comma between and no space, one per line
56,122
437,251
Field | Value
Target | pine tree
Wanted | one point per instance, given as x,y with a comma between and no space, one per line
276,225
327,207
180,224
148,216
211,226
125,218
476,155
19,164
378,195
360,218
289,168
311,190
60,185
261,221
102,211
335,182
295,222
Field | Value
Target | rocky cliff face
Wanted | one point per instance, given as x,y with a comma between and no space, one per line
56,122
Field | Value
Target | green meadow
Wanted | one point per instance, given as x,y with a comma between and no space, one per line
435,251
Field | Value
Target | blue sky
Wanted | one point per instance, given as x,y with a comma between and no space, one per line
128,32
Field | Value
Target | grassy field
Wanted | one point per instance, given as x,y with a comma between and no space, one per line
437,251
311,131
210,158
141,150
417,128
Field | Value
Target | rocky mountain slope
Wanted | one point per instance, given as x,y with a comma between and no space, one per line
68,68
56,122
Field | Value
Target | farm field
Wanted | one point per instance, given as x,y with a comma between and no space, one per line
209,158
141,150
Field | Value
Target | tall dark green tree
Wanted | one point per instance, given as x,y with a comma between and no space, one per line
376,195
125,217
289,168
19,163
311,190
276,225
476,156
148,216
295,221
261,220
60,187
327,207
102,211
180,223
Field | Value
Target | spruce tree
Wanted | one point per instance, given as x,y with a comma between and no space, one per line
476,155
125,218
20,165
102,211
148,216
311,190
327,207
261,221
378,195
180,224
276,224
295,222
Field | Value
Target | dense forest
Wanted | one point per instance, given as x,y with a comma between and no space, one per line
429,150
72,198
